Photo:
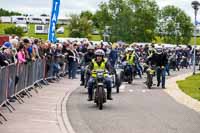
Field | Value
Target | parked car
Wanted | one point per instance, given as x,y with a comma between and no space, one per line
35,20
95,32
5,19
41,29
19,20
23,26
61,30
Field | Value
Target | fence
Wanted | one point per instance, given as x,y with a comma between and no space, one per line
17,78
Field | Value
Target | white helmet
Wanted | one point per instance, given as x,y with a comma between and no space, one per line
159,49
90,47
129,49
99,52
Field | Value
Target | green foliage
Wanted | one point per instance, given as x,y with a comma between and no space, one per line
131,20
122,21
14,31
191,86
31,32
7,13
79,26
86,14
102,17
145,19
142,21
175,26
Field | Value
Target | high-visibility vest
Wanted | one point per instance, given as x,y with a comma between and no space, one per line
130,59
97,67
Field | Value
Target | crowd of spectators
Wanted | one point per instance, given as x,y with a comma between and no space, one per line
66,56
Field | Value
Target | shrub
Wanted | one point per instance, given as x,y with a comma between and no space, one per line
14,30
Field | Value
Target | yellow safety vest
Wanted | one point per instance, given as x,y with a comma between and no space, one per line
97,67
130,59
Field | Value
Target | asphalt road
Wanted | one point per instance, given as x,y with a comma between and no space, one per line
134,110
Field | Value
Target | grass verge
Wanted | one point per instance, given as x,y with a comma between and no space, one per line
191,86
31,32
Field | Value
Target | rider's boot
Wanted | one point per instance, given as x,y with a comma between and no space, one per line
158,84
90,98
82,83
109,97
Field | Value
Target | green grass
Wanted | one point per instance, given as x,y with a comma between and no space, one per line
192,41
191,86
95,37
4,26
31,32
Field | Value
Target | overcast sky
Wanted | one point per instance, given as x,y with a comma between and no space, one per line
37,7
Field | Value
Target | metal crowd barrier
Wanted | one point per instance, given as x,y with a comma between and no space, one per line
18,78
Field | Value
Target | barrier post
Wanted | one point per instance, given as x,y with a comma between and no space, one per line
1,114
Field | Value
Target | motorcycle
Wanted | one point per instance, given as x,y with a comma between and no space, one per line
87,76
127,73
150,74
100,93
116,81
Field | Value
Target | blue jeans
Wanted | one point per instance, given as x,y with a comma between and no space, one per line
161,73
55,69
82,74
128,70
138,69
167,69
72,66
112,62
91,84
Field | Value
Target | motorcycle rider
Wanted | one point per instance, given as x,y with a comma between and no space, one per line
159,59
99,63
88,57
130,59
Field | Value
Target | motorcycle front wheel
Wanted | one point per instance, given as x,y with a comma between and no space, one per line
100,97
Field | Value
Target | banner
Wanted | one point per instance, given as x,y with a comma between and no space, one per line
53,21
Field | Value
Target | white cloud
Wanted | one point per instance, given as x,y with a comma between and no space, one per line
182,4
38,7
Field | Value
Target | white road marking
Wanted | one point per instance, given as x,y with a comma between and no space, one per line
144,91
44,110
44,121
131,90
122,90
122,87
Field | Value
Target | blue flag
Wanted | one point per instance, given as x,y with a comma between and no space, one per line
53,21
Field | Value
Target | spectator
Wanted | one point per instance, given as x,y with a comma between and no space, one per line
71,62
21,54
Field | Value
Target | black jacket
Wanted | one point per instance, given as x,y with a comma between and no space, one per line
88,58
2,60
159,59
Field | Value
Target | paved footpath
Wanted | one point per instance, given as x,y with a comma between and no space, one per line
41,113
135,109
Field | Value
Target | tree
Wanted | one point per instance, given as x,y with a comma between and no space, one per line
44,15
122,21
175,26
79,27
7,13
102,17
130,20
86,14
145,19
14,30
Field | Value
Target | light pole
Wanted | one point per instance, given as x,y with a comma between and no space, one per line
177,33
195,5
